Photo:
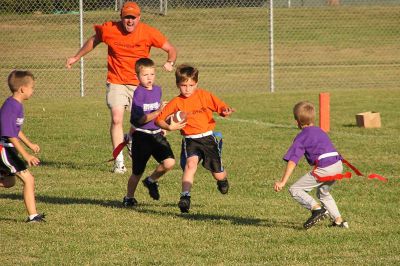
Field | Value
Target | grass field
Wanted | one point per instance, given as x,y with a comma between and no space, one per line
251,225
351,52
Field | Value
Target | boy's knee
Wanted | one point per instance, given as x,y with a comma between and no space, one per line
293,191
168,163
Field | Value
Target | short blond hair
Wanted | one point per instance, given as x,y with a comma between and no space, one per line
18,78
304,113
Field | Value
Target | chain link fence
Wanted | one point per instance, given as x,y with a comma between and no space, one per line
318,44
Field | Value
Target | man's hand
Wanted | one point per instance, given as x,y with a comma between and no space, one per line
168,66
71,61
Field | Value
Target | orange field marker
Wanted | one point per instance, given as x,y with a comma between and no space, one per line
324,111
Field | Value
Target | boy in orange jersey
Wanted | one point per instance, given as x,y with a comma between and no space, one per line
199,142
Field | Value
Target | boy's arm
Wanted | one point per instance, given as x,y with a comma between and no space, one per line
151,116
30,159
288,172
34,147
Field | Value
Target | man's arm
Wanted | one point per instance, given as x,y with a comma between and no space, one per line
89,45
172,54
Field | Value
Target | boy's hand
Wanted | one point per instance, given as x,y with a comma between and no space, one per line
35,148
278,186
32,160
227,111
176,125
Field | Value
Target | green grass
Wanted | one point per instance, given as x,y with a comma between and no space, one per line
251,225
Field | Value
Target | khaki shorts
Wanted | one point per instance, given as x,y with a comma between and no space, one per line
119,95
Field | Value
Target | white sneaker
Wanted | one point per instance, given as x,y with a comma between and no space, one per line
119,168
128,137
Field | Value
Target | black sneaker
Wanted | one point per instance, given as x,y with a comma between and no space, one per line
153,188
129,202
343,224
184,204
316,216
37,219
223,186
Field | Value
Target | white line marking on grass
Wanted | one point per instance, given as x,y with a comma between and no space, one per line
255,122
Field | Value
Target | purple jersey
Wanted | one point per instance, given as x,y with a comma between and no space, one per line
312,142
144,102
11,118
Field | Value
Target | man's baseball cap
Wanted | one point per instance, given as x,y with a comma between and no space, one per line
130,9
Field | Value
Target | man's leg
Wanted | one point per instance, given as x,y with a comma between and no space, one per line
117,136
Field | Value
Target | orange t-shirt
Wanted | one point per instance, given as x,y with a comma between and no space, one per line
124,49
199,108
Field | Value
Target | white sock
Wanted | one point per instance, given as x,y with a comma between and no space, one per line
120,158
151,180
33,216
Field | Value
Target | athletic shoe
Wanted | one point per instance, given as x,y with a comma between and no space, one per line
129,202
223,186
37,219
316,216
184,204
119,168
128,137
343,224
152,187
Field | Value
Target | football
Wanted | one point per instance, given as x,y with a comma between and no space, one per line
178,116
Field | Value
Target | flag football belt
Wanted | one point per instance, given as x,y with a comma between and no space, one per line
344,175
6,144
152,132
197,136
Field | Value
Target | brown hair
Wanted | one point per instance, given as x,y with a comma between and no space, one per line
143,62
185,72
19,78
304,113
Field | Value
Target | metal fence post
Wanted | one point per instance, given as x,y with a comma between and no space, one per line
81,44
271,46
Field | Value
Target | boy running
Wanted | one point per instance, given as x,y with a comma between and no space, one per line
21,84
147,138
199,142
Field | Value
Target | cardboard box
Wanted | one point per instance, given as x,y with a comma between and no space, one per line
369,120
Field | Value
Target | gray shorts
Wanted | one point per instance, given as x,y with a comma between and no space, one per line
119,95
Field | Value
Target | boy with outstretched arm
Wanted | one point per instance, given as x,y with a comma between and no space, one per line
319,151
199,142
21,85
147,138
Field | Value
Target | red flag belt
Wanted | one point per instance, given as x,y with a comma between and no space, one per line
118,149
346,174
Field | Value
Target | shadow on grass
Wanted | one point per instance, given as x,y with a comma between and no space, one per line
74,165
147,209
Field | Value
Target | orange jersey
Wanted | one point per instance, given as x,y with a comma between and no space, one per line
125,49
199,108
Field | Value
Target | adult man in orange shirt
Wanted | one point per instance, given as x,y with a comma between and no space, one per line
127,40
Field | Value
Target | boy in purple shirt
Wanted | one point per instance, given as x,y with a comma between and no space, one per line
21,84
147,138
319,151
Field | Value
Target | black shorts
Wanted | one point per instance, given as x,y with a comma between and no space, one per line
145,145
10,162
208,149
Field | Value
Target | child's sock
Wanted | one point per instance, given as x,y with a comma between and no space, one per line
120,158
185,193
151,180
32,216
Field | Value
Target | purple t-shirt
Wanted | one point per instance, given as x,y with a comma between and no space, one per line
11,118
144,102
312,142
